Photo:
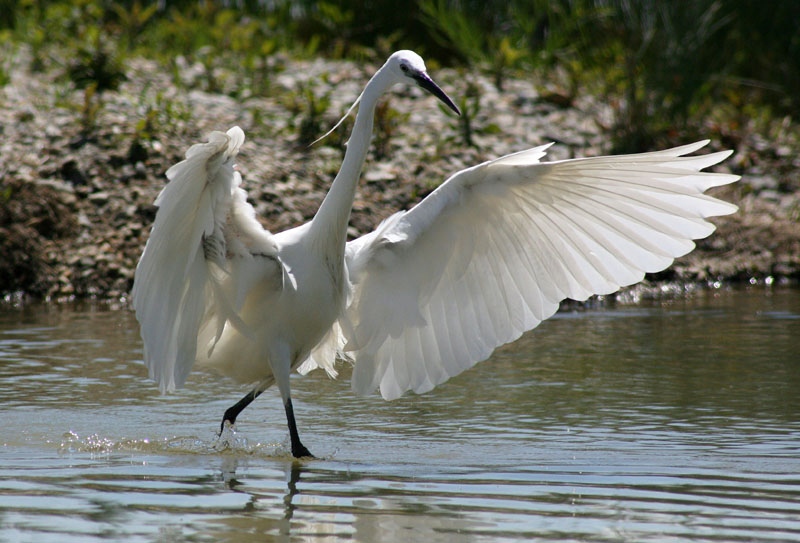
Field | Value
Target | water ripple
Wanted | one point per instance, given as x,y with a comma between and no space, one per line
670,421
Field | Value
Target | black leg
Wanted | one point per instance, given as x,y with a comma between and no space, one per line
233,411
298,449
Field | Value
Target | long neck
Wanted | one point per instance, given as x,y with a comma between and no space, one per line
329,225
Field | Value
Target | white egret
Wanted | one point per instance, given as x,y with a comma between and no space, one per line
432,291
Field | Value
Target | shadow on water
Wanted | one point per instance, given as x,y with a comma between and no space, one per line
663,420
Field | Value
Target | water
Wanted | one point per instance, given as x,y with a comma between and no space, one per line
667,421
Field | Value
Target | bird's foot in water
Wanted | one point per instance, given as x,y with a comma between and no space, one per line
300,451
227,437
225,425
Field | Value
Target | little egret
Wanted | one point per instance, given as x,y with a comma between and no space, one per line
432,291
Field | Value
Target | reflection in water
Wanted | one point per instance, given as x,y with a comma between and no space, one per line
330,516
294,476
666,420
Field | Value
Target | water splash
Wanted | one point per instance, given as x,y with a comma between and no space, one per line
230,442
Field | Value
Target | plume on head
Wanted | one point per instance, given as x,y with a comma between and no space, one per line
340,121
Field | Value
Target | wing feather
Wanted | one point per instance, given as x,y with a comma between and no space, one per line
491,252
198,260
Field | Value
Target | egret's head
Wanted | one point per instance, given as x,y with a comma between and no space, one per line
409,66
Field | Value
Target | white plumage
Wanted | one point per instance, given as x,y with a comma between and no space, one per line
485,257
492,252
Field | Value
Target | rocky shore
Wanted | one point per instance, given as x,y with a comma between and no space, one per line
79,171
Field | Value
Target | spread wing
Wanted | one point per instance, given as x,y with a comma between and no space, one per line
205,253
491,252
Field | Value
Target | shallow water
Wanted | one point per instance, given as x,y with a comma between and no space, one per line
662,421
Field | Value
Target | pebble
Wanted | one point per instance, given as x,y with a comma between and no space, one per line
99,197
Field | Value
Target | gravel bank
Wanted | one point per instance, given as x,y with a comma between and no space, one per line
77,182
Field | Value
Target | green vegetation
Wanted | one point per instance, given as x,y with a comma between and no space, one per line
308,110
468,103
386,121
665,67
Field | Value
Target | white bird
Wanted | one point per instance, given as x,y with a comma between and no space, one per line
432,291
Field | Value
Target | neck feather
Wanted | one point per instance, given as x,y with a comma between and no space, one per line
334,214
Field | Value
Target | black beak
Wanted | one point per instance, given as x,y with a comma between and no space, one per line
424,81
